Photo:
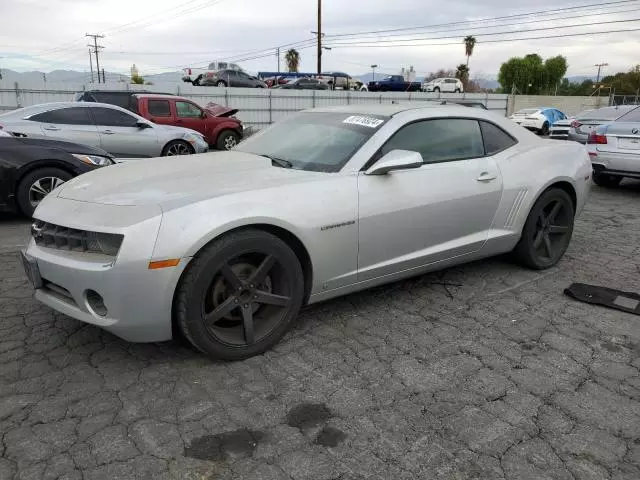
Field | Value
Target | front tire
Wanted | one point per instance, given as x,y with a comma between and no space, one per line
38,184
547,231
606,181
436,90
177,147
227,140
240,295
221,83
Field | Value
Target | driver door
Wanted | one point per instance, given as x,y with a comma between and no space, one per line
444,209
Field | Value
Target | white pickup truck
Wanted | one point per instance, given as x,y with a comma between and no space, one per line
193,75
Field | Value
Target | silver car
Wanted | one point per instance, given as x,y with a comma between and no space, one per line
585,122
321,204
614,149
111,128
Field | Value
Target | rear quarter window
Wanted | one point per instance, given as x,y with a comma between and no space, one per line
495,139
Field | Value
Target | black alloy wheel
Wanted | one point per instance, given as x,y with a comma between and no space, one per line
547,231
240,295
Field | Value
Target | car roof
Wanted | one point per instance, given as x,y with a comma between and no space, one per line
45,107
391,109
168,96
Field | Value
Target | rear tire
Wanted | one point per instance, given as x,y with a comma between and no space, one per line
221,83
177,147
436,90
606,181
545,129
36,185
227,140
457,90
547,231
239,295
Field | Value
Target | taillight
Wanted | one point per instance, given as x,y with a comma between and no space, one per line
596,139
575,124
189,70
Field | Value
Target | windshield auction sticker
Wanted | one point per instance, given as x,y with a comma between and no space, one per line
370,122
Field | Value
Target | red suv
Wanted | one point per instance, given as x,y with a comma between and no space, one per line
217,123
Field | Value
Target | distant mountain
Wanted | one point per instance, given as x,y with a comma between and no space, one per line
73,76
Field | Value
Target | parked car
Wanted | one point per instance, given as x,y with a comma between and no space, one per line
217,124
118,131
614,149
445,85
120,98
30,168
393,83
271,81
304,84
538,119
194,75
585,122
321,204
339,81
231,78
560,129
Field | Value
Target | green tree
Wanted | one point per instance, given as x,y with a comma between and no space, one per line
462,73
555,68
530,75
469,45
137,80
292,57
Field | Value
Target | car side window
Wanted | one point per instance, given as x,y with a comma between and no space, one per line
439,140
187,110
65,116
113,118
495,139
159,108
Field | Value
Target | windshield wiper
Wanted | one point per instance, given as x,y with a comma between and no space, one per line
281,162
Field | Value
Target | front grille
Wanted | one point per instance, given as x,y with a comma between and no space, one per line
64,238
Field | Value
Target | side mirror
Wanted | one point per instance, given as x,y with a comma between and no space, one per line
395,160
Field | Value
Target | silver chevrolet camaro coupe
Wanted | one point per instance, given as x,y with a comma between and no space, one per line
226,247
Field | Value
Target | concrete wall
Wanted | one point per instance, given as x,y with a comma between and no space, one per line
568,105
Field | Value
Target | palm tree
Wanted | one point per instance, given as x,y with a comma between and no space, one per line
292,57
462,73
469,44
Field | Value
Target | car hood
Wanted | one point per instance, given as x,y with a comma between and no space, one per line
174,181
69,147
220,110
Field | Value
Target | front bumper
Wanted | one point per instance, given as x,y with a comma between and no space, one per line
138,300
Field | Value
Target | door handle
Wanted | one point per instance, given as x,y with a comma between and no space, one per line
108,132
51,127
486,177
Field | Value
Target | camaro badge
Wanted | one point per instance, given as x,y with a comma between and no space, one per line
337,225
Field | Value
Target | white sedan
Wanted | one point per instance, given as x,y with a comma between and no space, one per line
227,246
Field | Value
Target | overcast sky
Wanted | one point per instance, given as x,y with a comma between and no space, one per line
165,36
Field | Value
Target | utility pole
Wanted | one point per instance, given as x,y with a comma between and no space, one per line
91,65
319,37
373,72
278,55
600,65
96,50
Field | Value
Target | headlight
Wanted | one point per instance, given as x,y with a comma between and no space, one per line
93,159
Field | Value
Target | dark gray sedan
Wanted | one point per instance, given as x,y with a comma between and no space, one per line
583,123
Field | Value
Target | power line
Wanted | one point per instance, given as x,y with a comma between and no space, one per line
538,12
389,43
502,40
465,29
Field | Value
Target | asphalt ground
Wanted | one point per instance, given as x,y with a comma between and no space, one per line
485,371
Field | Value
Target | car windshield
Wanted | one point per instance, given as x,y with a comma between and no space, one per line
314,141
